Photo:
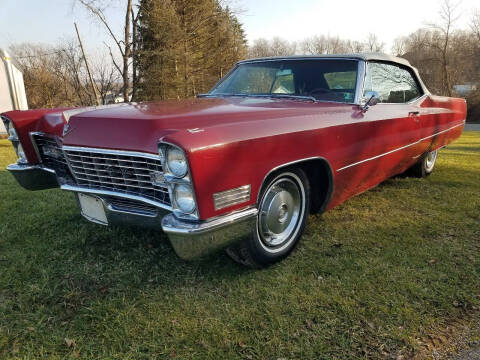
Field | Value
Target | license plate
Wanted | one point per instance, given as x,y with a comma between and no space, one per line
92,208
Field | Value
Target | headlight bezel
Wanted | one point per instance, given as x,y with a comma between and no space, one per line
174,181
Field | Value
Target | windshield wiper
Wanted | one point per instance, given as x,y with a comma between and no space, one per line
284,96
287,96
221,95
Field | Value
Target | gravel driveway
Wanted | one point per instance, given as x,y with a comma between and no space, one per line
473,354
472,127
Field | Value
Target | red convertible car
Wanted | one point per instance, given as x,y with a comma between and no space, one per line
241,167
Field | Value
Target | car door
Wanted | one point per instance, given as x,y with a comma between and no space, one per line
389,130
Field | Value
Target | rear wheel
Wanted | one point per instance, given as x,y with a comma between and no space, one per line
281,220
426,165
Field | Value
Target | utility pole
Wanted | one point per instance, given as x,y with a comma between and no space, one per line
94,88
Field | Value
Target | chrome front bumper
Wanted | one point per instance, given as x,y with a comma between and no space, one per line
194,240
33,177
189,239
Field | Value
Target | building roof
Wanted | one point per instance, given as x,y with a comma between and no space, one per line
358,56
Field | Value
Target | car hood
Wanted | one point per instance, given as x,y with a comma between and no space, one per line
191,123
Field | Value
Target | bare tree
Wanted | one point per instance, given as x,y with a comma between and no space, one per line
54,76
281,47
448,17
373,43
275,47
260,48
399,46
355,46
125,46
107,80
325,45
475,24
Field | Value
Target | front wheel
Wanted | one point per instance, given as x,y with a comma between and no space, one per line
282,216
425,166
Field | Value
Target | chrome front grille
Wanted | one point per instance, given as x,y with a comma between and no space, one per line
118,171
50,152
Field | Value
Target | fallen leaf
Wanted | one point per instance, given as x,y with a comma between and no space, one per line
70,342
15,349
241,344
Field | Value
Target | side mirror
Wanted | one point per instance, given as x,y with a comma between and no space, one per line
371,98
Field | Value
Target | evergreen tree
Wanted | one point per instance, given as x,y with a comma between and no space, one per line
185,46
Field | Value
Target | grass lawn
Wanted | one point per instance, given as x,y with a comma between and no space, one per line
368,279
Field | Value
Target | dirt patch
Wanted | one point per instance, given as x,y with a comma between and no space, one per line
457,340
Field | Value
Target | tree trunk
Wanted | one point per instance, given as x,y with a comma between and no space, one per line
127,53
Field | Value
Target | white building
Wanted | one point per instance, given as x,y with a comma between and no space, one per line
464,90
12,89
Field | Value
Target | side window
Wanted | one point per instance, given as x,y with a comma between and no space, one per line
393,83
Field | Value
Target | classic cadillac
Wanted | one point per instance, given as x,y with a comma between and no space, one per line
241,167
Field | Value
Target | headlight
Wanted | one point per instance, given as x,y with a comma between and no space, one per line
184,199
21,154
176,176
12,134
6,122
13,137
176,162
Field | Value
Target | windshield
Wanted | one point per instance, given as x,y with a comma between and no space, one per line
321,79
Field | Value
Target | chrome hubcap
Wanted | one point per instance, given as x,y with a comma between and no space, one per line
430,160
279,212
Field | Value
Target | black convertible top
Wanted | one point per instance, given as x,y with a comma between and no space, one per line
358,56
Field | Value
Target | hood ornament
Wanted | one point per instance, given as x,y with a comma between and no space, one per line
66,129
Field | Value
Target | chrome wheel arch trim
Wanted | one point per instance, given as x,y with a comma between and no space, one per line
331,181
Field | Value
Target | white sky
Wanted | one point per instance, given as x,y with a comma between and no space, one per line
47,21
352,19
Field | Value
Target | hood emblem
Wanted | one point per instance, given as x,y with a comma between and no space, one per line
196,130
